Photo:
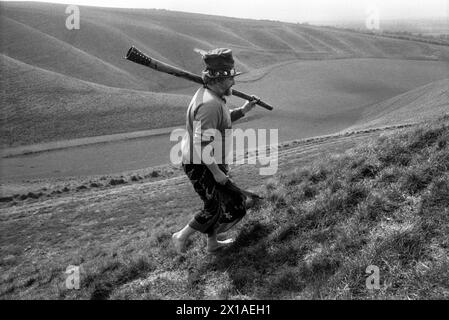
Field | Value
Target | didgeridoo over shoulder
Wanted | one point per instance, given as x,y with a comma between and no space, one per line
135,55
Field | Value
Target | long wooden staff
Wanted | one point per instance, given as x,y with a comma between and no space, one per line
135,55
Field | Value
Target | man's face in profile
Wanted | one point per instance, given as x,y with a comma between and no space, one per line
227,84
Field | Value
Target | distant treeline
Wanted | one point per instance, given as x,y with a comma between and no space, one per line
442,39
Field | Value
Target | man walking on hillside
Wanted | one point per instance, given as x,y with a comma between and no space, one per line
208,113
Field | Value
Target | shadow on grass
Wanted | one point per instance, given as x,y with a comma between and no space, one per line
259,267
114,274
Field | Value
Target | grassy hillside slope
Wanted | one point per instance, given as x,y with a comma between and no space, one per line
423,103
320,226
383,204
319,97
40,105
330,87
35,33
310,98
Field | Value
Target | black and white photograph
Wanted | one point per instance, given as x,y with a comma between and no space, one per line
242,152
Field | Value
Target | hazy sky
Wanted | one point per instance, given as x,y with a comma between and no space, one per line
290,10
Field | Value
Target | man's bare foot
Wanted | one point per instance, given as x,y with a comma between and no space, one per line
214,246
179,243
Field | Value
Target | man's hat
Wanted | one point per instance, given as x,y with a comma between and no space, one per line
219,63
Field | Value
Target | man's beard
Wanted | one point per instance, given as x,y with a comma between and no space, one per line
228,92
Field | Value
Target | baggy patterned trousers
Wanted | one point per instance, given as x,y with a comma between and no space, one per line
223,208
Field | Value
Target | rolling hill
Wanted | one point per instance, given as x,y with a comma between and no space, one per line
35,33
87,94
326,216
423,103
124,153
41,105
339,203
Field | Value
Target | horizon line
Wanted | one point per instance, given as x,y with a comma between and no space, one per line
299,21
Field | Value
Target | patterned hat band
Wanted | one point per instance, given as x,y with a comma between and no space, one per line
220,73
